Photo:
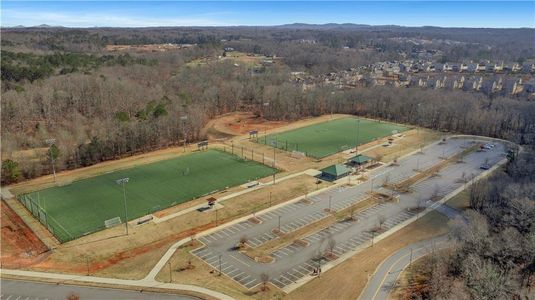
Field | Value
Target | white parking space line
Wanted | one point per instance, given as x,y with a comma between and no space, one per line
250,281
241,273
225,233
226,268
298,272
284,276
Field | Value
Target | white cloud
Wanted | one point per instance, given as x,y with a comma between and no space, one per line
12,17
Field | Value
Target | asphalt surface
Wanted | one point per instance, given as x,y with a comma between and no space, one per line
26,290
293,262
385,277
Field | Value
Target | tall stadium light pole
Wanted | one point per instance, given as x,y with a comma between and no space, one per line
51,142
358,133
418,125
266,104
184,119
122,182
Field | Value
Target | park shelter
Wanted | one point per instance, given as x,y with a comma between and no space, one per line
360,160
335,172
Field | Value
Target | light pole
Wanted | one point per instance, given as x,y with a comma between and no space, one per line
184,119
122,182
330,199
51,142
358,133
279,224
410,261
219,264
270,199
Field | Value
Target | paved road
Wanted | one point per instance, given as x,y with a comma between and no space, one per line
23,290
386,275
295,262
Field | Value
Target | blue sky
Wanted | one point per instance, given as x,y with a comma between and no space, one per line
227,13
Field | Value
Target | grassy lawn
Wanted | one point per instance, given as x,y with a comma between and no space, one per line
82,207
327,138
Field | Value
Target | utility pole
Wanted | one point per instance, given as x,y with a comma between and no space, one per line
410,261
270,198
51,142
330,199
216,216
219,264
274,148
319,266
122,182
170,272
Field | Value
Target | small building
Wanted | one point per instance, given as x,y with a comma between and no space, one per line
335,172
361,161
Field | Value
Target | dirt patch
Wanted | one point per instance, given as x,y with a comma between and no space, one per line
240,123
143,48
20,246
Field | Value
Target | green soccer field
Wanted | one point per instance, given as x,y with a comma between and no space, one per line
327,138
82,206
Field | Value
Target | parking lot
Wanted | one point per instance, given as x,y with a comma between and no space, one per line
296,261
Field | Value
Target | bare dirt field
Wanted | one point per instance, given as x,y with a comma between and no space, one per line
19,245
241,123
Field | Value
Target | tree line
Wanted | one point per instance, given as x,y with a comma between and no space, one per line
118,111
18,66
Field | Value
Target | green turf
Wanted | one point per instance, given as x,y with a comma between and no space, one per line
81,207
327,138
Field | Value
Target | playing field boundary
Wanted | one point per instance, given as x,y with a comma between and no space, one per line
82,207
330,137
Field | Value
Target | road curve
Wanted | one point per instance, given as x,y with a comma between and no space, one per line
385,277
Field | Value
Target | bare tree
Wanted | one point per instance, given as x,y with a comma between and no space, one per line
73,296
264,278
331,243
381,219
243,241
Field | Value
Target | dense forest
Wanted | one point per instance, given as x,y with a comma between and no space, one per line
100,105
